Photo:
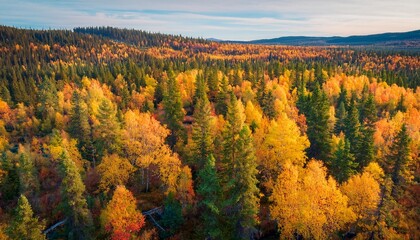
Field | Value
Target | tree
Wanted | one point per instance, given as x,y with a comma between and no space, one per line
24,225
343,164
222,97
241,200
121,218
209,191
174,112
363,191
79,126
307,204
279,144
108,131
10,183
340,115
368,116
114,171
172,218
399,157
145,147
74,204
316,110
28,180
352,128
239,172
201,128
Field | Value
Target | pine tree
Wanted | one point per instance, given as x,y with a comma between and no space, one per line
172,218
222,97
316,110
9,186
399,157
174,113
241,198
343,165
27,176
108,131
210,192
201,128
79,127
239,171
352,128
74,203
24,225
368,116
340,115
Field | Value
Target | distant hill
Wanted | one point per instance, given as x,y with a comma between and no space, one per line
405,39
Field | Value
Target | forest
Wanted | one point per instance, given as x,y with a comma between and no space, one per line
110,133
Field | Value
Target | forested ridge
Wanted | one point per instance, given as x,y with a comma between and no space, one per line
219,140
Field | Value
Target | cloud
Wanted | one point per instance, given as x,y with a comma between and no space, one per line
224,19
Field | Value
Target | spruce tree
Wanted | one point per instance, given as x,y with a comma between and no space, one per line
241,198
172,218
28,180
240,201
352,127
24,225
316,110
174,113
368,116
399,158
74,203
222,97
343,164
209,190
108,131
340,115
79,127
201,132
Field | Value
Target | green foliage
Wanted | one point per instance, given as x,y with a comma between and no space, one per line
10,183
222,97
108,131
174,112
399,158
24,225
316,109
343,164
172,218
74,203
209,190
201,128
28,179
79,126
241,200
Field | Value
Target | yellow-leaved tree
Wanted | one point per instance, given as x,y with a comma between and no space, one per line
363,192
145,146
307,203
279,142
114,170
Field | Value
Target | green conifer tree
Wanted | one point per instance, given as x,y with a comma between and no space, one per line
210,192
24,225
74,203
343,164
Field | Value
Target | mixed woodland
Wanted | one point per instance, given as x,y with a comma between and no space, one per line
112,133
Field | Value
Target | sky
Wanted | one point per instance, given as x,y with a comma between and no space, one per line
221,19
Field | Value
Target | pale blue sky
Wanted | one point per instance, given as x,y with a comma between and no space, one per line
223,19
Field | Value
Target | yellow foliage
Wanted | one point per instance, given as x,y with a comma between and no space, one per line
363,192
121,217
307,203
114,171
252,115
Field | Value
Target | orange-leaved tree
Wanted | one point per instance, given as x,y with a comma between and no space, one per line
121,218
